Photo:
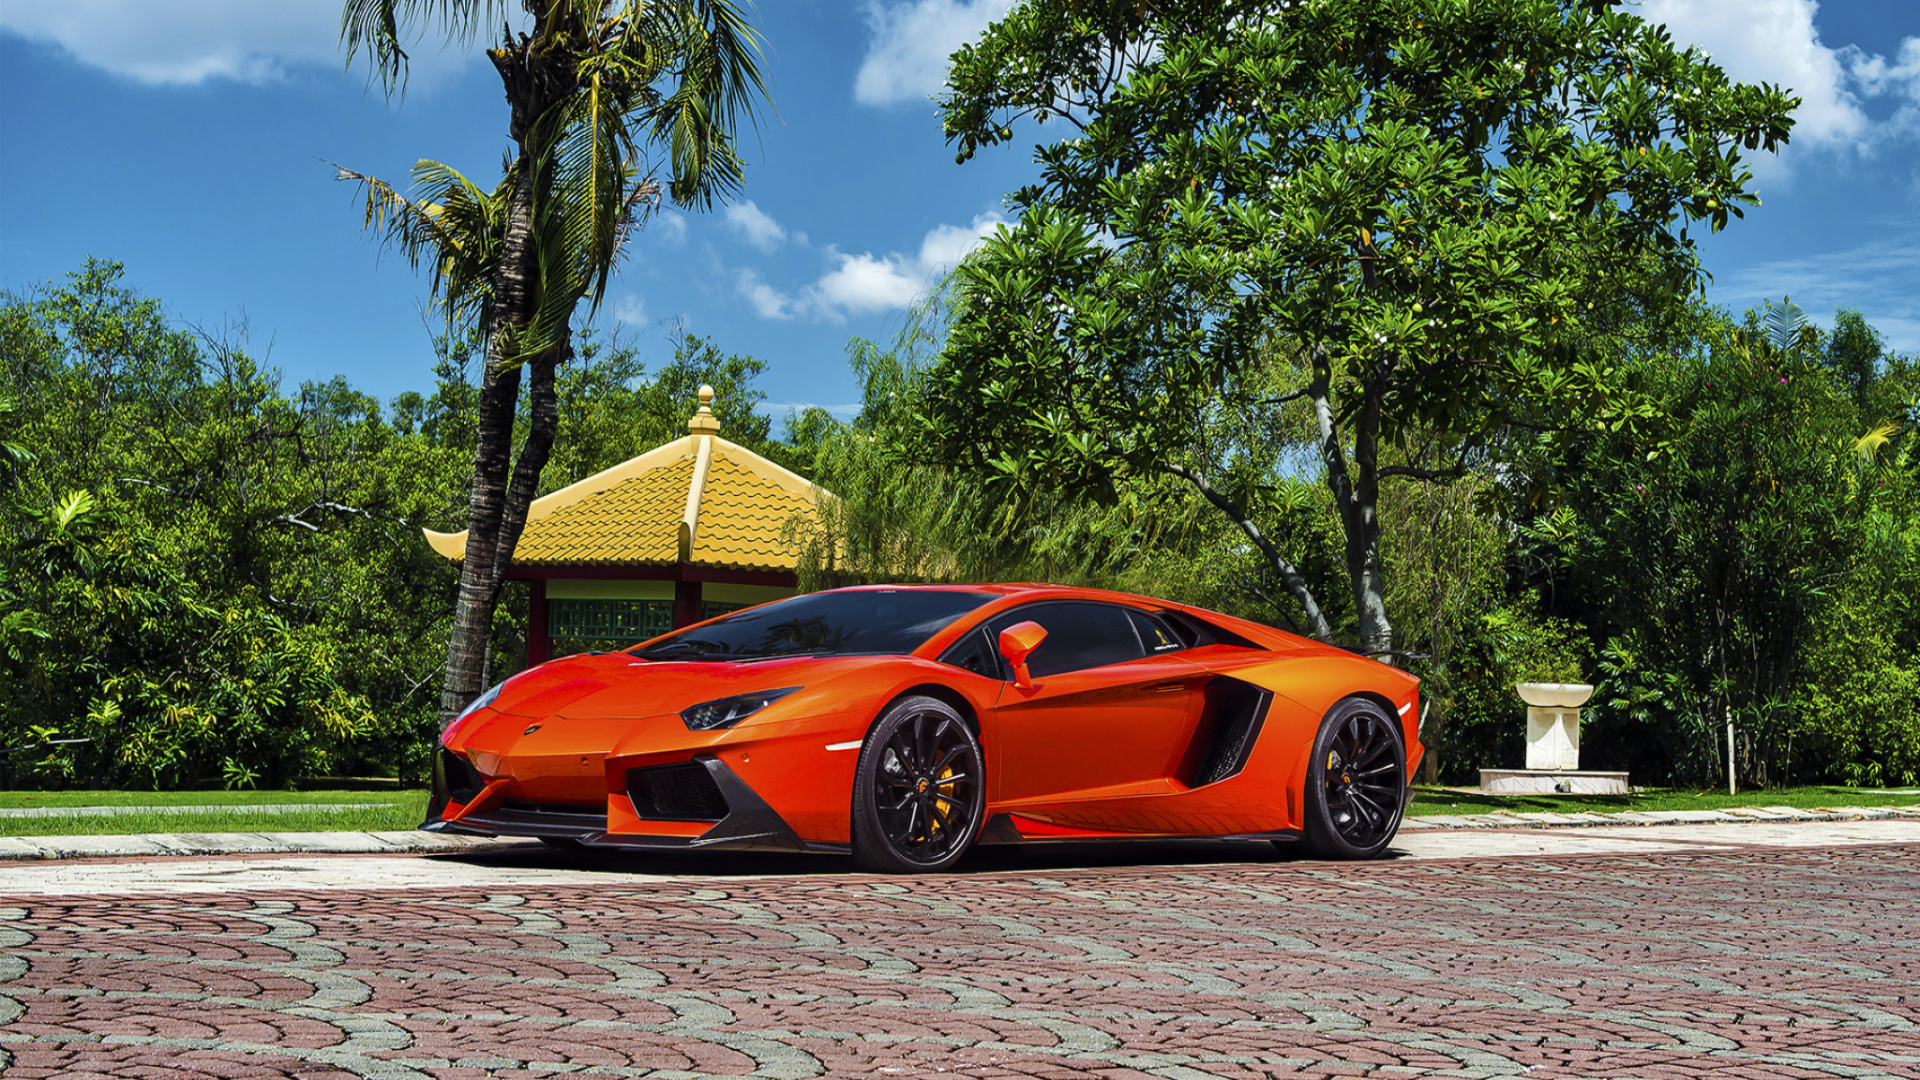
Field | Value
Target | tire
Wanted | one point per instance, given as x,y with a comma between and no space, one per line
918,791
1356,782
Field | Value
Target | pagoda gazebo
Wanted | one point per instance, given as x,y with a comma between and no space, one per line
684,532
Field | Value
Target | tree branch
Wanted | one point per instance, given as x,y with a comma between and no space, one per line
1452,472
1295,582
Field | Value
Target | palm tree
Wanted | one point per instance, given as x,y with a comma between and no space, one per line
604,94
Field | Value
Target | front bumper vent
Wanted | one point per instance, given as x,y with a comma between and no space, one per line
458,780
683,792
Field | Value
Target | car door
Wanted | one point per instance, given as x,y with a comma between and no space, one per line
1109,705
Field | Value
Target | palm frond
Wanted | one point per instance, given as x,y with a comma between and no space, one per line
1788,329
376,27
1868,446
451,222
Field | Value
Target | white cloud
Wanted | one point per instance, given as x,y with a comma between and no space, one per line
912,40
770,302
1776,41
865,283
628,308
672,226
781,408
181,42
755,226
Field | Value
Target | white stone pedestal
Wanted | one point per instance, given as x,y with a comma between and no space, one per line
1553,748
1553,782
1553,723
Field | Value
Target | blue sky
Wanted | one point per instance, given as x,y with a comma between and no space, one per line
188,139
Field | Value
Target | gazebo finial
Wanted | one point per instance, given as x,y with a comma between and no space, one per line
704,422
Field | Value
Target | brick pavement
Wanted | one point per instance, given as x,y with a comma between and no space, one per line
1741,963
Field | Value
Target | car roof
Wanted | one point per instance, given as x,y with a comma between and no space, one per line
1014,588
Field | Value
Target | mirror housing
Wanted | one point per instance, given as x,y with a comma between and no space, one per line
1017,642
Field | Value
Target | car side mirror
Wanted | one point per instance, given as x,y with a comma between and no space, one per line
1017,642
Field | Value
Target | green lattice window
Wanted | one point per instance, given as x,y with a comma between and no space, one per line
598,624
711,608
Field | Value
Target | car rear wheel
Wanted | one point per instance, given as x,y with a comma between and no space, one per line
1356,782
918,791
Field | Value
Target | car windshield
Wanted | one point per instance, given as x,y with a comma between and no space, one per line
868,621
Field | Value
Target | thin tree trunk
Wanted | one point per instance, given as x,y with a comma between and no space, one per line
1363,531
543,419
1357,503
1290,576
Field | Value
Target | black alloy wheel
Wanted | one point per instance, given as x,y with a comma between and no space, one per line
1356,782
917,794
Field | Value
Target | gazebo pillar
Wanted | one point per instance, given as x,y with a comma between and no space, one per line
539,637
686,603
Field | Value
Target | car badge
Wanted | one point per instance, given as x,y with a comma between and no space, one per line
531,728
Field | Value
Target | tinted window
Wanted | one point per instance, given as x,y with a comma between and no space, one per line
975,653
1078,636
1158,636
881,621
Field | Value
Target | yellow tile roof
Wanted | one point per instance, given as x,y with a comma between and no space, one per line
737,503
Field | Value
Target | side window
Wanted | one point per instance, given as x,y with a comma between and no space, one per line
1079,635
974,652
1158,637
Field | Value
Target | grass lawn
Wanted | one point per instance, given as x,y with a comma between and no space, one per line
1437,801
383,811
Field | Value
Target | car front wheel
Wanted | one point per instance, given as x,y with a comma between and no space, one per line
918,791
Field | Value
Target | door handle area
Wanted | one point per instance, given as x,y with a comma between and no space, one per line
1169,687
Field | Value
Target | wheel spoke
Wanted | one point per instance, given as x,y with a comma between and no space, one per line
946,759
1382,792
1381,749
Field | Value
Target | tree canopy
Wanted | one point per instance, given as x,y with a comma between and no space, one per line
1414,222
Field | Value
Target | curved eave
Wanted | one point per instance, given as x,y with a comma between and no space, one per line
448,545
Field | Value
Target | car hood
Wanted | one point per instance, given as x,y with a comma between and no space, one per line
620,686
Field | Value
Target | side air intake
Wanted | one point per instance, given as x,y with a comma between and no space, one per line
1229,725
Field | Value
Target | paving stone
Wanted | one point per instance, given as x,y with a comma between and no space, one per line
1713,962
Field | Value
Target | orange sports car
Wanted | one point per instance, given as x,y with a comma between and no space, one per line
904,724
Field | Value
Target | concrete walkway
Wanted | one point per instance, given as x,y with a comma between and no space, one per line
15,848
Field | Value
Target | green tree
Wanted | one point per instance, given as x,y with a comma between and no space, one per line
1707,552
1408,218
592,87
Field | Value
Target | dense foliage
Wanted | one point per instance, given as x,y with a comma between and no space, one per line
214,579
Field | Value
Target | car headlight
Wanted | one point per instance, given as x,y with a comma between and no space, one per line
728,711
480,702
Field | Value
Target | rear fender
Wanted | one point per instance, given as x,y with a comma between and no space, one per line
1305,689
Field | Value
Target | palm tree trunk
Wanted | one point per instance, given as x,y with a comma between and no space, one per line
543,419
484,567
479,572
